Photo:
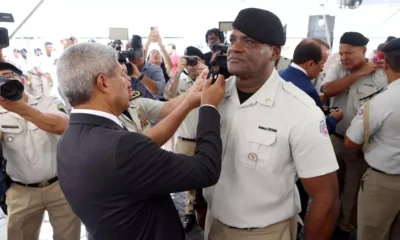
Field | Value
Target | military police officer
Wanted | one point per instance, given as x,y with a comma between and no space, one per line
346,82
376,126
30,129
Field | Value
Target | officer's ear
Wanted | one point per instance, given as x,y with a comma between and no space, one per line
386,65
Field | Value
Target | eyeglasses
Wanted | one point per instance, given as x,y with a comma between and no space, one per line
9,75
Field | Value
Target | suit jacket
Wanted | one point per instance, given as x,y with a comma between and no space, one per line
119,183
302,81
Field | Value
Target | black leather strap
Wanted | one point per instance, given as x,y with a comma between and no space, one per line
187,139
39,185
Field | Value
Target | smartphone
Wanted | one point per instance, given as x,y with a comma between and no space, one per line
4,40
129,69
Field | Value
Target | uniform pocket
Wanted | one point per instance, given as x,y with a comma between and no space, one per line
259,148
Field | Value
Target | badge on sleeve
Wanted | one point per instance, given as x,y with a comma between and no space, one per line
62,108
323,128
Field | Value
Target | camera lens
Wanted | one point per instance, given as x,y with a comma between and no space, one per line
12,90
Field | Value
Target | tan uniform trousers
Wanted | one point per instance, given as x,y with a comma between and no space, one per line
216,230
26,208
187,148
352,166
40,86
379,207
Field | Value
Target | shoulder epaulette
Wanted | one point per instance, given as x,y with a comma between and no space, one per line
135,94
373,94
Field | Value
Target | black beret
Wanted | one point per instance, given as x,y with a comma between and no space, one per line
390,38
38,49
16,50
380,47
9,66
48,43
393,45
261,25
192,51
354,39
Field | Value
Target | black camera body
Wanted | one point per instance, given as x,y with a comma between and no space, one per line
221,59
191,61
136,50
117,45
11,89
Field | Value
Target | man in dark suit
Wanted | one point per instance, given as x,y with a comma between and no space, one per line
119,182
308,61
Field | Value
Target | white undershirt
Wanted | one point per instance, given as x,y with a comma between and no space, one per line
294,65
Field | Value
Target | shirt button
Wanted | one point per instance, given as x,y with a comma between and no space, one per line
253,157
10,139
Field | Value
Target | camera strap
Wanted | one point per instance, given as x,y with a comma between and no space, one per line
366,125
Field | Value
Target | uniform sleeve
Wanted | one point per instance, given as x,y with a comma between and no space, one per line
158,77
56,106
376,117
151,107
311,146
332,74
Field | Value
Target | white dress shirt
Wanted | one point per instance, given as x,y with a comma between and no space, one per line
98,113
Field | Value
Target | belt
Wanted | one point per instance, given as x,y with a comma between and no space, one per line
40,184
379,171
187,139
247,229
339,136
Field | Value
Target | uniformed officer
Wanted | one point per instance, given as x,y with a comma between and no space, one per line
179,83
272,133
376,126
345,84
143,110
30,129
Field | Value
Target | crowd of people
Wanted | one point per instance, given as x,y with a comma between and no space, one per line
307,152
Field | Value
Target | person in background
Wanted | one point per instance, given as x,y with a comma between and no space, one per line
376,130
30,129
171,50
346,82
162,59
213,36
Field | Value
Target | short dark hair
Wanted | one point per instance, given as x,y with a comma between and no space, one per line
322,42
307,50
217,33
393,59
172,46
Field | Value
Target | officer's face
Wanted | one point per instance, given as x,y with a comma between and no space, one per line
352,57
247,57
316,68
128,81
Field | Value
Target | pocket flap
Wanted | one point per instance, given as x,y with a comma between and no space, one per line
260,136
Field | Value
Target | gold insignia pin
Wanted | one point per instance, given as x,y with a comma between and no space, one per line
135,94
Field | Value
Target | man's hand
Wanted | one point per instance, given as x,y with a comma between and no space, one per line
214,56
380,63
1,135
337,114
201,78
213,94
367,68
17,107
182,63
136,73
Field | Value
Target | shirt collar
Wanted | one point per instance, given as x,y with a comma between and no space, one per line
265,95
98,113
146,66
294,65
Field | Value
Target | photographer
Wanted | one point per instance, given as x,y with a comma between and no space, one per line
147,78
213,37
30,129
179,83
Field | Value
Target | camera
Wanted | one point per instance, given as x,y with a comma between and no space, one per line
191,61
136,50
328,110
220,63
11,89
117,45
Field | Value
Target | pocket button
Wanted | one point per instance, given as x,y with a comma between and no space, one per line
253,157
